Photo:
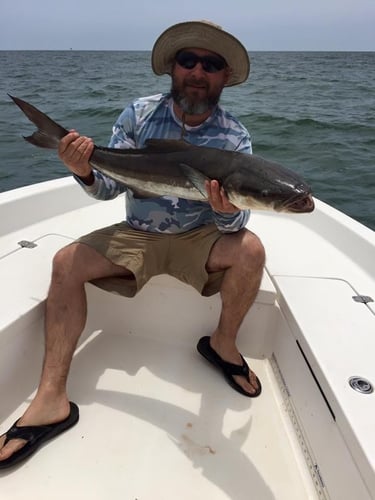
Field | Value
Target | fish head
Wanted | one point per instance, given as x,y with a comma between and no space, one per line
265,185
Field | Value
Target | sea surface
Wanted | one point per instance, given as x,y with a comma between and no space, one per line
311,111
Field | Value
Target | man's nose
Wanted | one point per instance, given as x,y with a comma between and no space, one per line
198,69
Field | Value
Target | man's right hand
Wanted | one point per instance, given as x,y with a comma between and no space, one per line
75,151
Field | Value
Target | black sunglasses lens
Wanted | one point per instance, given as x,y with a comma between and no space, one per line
210,64
187,59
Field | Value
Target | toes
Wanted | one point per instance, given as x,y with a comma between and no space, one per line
246,386
251,387
11,447
254,381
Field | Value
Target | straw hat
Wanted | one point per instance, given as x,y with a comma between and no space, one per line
202,35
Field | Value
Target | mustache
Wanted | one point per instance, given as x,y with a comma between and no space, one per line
195,81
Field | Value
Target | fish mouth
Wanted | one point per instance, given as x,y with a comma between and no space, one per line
300,203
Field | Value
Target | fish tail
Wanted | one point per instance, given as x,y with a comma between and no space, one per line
49,132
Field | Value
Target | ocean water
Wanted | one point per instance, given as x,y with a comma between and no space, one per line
311,111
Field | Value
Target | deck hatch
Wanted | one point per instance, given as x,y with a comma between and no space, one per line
316,381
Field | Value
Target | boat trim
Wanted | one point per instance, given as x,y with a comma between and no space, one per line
311,463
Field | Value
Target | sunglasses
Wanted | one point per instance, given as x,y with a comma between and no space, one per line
210,64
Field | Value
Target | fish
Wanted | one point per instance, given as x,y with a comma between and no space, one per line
171,167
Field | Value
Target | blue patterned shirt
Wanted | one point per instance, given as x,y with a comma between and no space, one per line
153,117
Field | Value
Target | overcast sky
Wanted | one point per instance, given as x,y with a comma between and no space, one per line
134,25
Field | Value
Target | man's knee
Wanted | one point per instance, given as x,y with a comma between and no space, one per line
65,261
252,249
242,249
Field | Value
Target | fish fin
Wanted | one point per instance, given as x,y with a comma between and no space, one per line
196,178
41,140
167,145
49,132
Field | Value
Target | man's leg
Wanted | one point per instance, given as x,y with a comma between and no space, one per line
65,319
242,257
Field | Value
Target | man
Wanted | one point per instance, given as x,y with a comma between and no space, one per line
203,244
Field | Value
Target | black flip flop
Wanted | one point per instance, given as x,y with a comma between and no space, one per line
228,369
36,435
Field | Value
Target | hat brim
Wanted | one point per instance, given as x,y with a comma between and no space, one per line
202,35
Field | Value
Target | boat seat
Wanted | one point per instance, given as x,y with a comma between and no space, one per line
336,336
26,271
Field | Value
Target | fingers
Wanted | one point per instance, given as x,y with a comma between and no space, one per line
218,199
75,151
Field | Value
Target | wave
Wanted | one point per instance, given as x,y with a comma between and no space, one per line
306,123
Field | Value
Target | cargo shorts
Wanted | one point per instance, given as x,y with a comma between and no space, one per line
147,254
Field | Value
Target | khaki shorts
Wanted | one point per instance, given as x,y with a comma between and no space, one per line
146,254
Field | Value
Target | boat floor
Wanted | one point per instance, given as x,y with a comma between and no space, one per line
158,422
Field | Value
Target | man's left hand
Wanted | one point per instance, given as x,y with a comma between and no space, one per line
218,199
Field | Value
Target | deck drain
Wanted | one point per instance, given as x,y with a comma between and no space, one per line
361,385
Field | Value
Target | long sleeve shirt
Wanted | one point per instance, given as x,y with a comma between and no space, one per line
153,117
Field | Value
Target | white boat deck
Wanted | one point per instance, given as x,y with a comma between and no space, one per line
156,420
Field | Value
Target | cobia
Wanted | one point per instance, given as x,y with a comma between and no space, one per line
177,168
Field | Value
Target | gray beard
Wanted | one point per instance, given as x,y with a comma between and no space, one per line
193,107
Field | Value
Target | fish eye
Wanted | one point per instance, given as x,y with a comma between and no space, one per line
264,193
